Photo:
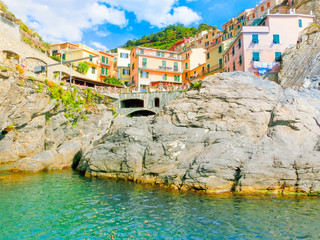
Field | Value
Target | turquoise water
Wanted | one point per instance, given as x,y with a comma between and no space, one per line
65,205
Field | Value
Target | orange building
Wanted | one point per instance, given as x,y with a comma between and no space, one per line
151,67
107,65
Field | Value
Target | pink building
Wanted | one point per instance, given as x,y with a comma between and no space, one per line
259,49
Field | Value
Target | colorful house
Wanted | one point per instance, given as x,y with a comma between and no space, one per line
191,59
214,57
151,67
69,51
259,49
106,69
123,65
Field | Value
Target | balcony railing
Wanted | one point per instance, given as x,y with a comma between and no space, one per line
161,55
162,69
212,69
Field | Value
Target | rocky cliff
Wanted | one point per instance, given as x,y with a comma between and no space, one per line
237,133
35,134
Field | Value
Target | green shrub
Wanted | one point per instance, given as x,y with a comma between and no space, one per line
112,80
62,83
197,85
40,88
56,58
83,68
26,40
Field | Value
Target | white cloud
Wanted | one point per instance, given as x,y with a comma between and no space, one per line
158,13
61,20
99,46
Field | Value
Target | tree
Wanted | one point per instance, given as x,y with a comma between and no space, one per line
112,80
83,68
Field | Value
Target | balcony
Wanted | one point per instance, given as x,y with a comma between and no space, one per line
155,54
162,69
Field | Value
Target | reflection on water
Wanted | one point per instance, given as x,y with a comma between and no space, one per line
64,205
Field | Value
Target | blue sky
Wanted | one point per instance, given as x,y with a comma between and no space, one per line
107,24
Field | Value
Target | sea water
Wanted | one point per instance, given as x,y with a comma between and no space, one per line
64,205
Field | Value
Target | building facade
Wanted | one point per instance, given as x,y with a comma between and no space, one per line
191,59
259,49
123,65
152,67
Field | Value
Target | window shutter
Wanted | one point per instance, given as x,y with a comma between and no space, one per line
256,56
165,76
163,63
175,78
276,38
300,23
141,73
107,60
147,74
278,56
255,38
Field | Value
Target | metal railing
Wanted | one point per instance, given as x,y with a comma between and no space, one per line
161,55
212,69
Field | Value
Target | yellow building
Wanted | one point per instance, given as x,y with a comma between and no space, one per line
70,51
214,57
123,65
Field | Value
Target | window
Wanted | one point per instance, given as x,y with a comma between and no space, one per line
158,54
102,71
255,38
186,65
175,78
220,49
106,72
141,51
262,8
186,75
225,59
90,59
164,63
268,5
233,51
217,41
144,62
93,70
220,62
144,74
208,66
178,78
256,56
55,52
107,60
63,56
278,56
300,23
175,66
228,69
207,36
276,38
171,55
132,66
124,55
234,66
213,34
228,57
208,55
164,76
239,43
103,59
240,60
126,71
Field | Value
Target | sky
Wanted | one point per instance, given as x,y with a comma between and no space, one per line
108,24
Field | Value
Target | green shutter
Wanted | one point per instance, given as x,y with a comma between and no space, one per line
175,78
106,71
164,63
147,74
300,23
255,38
278,56
220,49
102,71
90,59
141,73
165,76
256,56
175,64
103,59
276,38
186,67
107,60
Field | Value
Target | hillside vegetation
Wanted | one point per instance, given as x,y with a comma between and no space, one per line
167,36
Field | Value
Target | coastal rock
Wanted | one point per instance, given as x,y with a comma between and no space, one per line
238,133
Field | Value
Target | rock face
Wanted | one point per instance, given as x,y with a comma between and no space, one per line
32,141
238,133
301,66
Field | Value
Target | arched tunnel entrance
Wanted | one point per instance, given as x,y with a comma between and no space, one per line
141,113
132,103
